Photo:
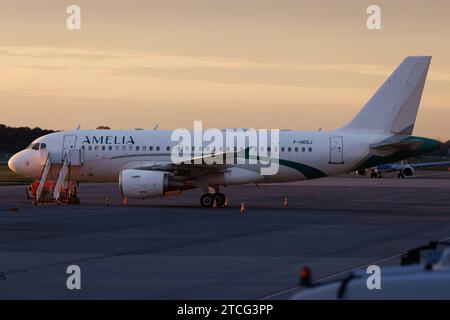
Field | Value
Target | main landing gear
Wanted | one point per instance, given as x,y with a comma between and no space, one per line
375,175
207,200
401,175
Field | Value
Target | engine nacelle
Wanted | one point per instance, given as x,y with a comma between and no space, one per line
143,184
408,171
361,172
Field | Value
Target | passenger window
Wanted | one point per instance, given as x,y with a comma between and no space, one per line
282,149
310,149
157,148
296,149
90,148
131,148
289,149
137,148
117,148
110,148
144,148
303,149
103,148
151,148
96,148
124,148
168,148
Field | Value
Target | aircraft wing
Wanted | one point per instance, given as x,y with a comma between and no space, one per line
430,164
211,162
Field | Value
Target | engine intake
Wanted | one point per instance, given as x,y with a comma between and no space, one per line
361,172
408,171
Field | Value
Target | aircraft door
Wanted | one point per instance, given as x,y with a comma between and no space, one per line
68,145
336,150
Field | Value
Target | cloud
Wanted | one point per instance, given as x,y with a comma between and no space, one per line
211,69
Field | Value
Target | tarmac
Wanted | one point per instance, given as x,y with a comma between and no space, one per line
172,248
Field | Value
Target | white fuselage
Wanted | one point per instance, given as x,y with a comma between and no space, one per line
103,154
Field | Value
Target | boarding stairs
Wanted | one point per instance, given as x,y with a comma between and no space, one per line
44,175
61,177
70,158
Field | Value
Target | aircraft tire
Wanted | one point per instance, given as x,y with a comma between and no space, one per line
221,199
207,200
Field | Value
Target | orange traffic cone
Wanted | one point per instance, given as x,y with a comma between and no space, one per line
226,203
242,207
285,203
125,201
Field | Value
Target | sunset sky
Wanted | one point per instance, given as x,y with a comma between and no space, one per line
297,64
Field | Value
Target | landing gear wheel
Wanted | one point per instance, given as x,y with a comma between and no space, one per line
221,199
207,200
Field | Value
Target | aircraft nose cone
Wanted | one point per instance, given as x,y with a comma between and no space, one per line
12,163
26,163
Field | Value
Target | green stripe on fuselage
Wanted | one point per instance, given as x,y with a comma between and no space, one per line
308,171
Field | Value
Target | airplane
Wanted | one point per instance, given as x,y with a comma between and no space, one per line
402,169
140,160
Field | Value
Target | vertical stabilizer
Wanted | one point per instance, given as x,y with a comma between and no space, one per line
393,108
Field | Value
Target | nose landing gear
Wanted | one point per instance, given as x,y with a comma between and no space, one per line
207,200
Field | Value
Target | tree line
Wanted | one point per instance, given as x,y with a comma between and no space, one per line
13,139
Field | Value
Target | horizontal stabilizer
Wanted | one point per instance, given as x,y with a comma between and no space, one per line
396,144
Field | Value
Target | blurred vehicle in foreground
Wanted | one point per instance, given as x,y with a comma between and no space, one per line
423,274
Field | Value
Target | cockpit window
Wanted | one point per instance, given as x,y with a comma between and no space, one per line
37,146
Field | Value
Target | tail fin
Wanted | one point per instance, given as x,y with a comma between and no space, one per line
394,106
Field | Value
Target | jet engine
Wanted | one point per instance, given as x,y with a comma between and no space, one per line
408,171
361,172
143,184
